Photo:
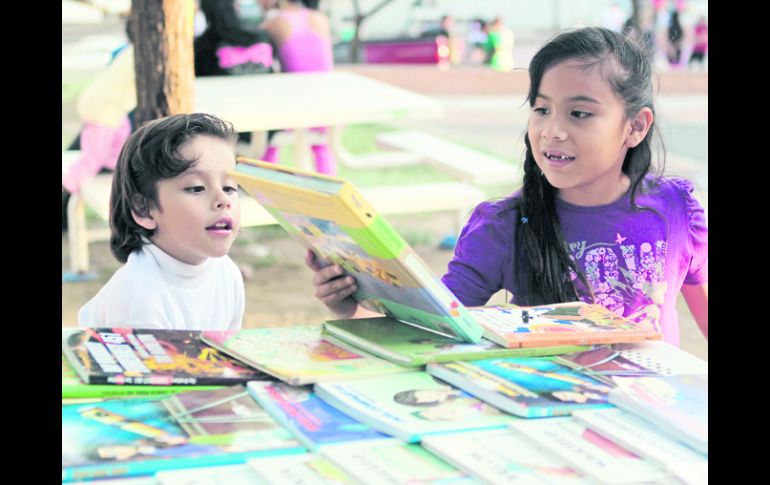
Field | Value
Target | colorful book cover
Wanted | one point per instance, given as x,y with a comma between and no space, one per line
411,405
638,436
676,405
501,457
131,437
574,323
390,461
413,347
599,459
602,363
210,475
301,469
299,354
331,217
527,387
72,388
150,357
311,420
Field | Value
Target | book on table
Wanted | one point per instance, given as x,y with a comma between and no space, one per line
131,437
640,437
299,469
677,405
311,420
299,354
72,388
500,456
389,461
150,357
590,454
331,217
412,347
572,323
602,363
410,405
530,387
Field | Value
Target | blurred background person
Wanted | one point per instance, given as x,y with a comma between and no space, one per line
302,38
700,43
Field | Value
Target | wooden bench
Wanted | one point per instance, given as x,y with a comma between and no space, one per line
401,199
467,164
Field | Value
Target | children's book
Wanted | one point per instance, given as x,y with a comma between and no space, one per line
574,323
640,437
331,217
411,405
150,357
500,456
602,363
300,469
311,420
299,354
72,388
412,347
131,437
599,459
210,475
676,405
389,462
533,387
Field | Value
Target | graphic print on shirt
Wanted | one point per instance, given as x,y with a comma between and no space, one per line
626,278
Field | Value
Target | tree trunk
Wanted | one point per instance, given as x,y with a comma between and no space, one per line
163,58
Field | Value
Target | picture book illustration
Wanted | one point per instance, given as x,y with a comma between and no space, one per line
330,216
602,363
564,323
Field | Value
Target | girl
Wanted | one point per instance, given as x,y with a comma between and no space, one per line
590,221
174,213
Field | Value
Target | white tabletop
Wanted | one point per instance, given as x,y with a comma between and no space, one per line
300,100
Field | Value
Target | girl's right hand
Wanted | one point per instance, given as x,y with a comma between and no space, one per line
332,286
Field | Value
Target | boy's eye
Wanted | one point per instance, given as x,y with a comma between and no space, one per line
195,189
581,114
230,189
541,111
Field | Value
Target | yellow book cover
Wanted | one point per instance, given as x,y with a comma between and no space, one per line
331,217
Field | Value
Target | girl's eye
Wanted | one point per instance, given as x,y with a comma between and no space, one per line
230,189
581,114
541,111
195,190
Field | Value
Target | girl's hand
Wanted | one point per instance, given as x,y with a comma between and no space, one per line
332,286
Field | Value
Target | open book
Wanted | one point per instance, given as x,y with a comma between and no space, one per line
331,217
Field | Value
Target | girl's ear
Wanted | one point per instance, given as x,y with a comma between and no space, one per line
140,211
640,125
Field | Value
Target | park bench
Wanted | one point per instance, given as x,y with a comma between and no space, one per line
468,165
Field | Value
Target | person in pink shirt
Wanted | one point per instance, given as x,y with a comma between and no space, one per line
302,39
701,43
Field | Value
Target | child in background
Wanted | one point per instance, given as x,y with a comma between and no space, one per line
302,38
591,222
174,214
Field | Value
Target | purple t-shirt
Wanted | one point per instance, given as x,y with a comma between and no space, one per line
635,261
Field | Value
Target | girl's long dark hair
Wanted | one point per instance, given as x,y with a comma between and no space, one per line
543,261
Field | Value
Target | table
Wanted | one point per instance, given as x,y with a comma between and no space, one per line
299,101
659,355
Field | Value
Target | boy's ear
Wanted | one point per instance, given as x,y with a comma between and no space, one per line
640,125
140,211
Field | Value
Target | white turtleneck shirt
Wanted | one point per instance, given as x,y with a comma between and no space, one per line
155,290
